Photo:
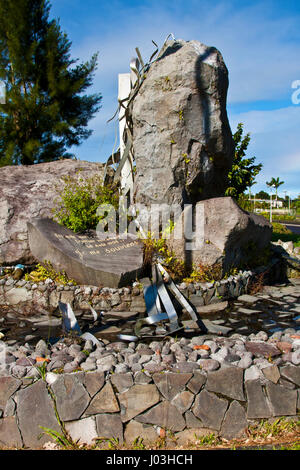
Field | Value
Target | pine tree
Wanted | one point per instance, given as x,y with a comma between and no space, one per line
46,110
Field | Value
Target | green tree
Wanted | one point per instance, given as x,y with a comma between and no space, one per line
46,109
243,170
296,204
275,183
262,195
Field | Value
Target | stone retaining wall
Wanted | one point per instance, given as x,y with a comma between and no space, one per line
127,406
43,297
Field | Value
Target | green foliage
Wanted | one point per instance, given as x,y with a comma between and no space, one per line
46,271
244,203
243,171
46,109
280,229
138,444
274,182
207,440
262,195
154,246
42,370
280,232
279,427
296,204
78,201
62,439
253,257
205,273
277,217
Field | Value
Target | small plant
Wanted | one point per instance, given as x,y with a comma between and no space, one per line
46,271
112,443
186,159
138,444
208,440
174,266
78,201
180,114
61,439
205,273
280,427
280,228
42,369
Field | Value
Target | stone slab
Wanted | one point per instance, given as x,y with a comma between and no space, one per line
183,401
192,421
71,397
196,382
82,431
235,422
210,409
122,381
283,400
109,426
271,373
227,381
33,414
9,433
164,415
93,382
135,431
191,436
87,259
103,402
260,348
212,308
8,386
248,299
258,406
291,373
139,398
171,383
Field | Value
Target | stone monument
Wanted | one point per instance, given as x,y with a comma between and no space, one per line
111,262
182,142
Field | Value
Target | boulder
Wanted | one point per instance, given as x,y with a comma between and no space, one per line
224,234
182,142
26,193
88,260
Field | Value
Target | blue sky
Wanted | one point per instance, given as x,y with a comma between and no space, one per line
259,41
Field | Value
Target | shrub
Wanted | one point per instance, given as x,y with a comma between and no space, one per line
41,273
174,266
79,199
279,228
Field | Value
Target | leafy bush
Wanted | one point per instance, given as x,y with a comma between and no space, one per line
277,216
174,266
280,232
279,228
41,273
177,268
79,199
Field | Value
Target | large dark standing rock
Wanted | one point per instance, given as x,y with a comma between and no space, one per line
28,192
182,140
223,233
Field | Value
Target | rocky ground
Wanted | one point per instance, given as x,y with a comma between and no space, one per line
276,310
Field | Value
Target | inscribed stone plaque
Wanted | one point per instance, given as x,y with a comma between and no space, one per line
89,260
